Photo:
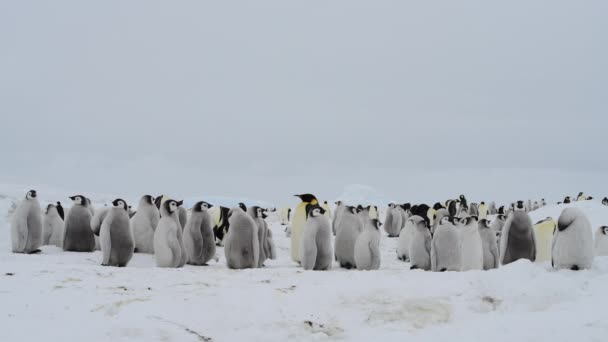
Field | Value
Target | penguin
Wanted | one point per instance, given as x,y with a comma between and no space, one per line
182,214
404,210
567,200
26,225
52,225
316,250
492,209
420,245
518,240
340,207
373,212
445,246
490,245
393,221
605,201
367,246
242,248
325,207
471,245
78,236
601,241
501,210
144,223
405,237
90,206
497,224
474,210
256,213
421,210
199,242
572,241
116,236
453,206
158,201
482,210
543,202
581,197
535,206
350,226
284,216
439,215
299,221
543,231
168,237
463,201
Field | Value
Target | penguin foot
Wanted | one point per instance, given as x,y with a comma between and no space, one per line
414,267
443,270
347,265
36,251
575,268
135,250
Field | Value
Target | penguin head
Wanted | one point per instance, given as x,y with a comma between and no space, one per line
445,220
79,200
406,206
338,203
171,206
437,206
308,198
31,195
483,203
263,213
604,230
468,220
148,199
243,207
119,203
202,206
180,203
158,201
392,205
501,217
483,224
314,210
462,198
376,223
519,206
352,210
580,194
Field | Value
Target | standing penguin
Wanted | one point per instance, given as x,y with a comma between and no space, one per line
367,246
182,214
144,224
463,202
269,246
350,226
393,221
483,211
52,225
605,201
168,237
316,253
299,221
601,241
199,242
471,246
404,210
474,210
325,207
518,240
78,236
492,208
373,212
543,231
453,207
445,246
242,248
439,215
490,245
420,245
340,207
581,197
497,224
256,213
573,241
26,226
284,216
116,236
405,237
219,218
567,200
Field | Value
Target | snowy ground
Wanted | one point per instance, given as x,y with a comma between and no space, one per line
57,296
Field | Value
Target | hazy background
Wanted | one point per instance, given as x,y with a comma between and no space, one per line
420,100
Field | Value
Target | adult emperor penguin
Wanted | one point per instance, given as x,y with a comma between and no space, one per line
393,221
144,223
445,246
463,201
491,258
420,245
78,236
168,237
573,241
543,230
256,213
315,249
601,241
518,240
453,207
242,248
367,247
52,225
605,201
350,226
581,197
199,242
26,226
471,246
221,225
116,236
299,221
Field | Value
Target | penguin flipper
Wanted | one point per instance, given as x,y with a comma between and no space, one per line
174,246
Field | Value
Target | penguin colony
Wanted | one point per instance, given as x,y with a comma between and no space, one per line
450,236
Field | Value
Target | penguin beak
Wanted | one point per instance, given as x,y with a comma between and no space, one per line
72,198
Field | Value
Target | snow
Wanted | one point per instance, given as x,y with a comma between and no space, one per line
59,296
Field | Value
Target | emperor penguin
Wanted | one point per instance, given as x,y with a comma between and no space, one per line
405,237
325,207
144,223
471,245
497,224
492,209
601,241
373,212
242,248
420,245
256,213
168,237
52,224
501,210
491,258
567,200
199,242
367,246
439,215
543,230
404,210
26,226
182,214
315,249
474,210
284,216
445,246
483,211
299,221
350,226
453,207
518,240
78,235
463,201
97,220
581,197
340,207
421,210
573,241
605,201
393,221
116,236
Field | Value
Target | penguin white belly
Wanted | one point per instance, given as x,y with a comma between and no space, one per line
56,238
471,249
105,243
544,240
367,251
299,221
167,248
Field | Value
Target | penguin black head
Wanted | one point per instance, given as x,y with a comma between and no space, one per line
454,220
158,201
376,223
392,205
604,230
314,210
353,210
148,199
406,206
308,198
243,207
520,205
201,206
501,210
171,206
31,194
437,206
501,217
468,220
263,213
567,200
79,200
580,194
605,201
483,203
325,203
483,224
256,211
180,203
589,198
119,203
338,203
359,207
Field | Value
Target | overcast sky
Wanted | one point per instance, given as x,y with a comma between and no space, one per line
420,100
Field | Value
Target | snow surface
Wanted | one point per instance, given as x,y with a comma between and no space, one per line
59,296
